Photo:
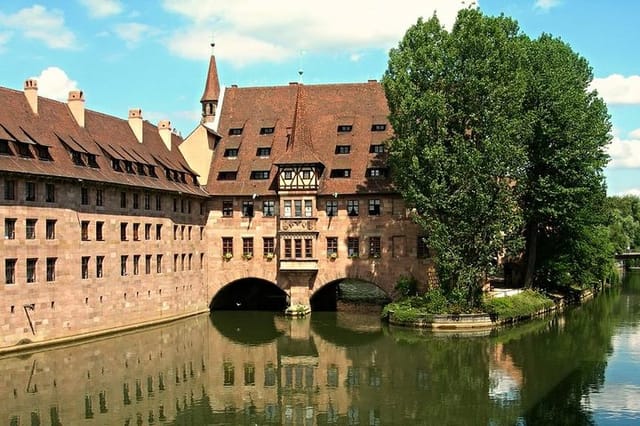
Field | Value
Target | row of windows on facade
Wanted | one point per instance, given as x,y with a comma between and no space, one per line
300,376
304,208
181,262
180,232
340,149
31,194
342,128
371,172
302,247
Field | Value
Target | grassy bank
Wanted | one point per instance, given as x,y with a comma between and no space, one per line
434,302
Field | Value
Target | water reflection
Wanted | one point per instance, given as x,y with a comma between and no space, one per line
336,368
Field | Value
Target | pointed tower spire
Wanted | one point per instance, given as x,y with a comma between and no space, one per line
211,93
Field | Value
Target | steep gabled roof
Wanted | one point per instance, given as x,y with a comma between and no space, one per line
212,86
104,136
306,132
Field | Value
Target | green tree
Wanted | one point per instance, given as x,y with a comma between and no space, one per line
564,190
498,141
458,148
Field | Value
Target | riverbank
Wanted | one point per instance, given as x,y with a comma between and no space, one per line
429,311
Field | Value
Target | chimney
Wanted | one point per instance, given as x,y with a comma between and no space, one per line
135,122
76,105
31,93
164,128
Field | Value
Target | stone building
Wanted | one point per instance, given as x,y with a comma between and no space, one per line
111,223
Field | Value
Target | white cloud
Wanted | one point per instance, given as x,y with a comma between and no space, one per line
54,83
4,39
355,57
632,191
38,23
546,4
618,89
133,32
102,8
625,152
257,30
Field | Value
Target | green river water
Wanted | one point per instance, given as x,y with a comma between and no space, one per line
256,368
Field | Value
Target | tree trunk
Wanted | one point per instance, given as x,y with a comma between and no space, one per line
531,251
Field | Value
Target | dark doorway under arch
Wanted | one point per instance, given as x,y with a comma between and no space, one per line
347,291
250,294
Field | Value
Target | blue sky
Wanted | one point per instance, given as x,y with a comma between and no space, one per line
153,54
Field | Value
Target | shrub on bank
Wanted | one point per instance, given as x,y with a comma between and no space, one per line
522,304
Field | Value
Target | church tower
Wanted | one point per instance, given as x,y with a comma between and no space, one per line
211,95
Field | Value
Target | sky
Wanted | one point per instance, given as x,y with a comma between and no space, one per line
153,54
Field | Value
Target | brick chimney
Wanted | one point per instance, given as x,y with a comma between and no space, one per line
135,122
31,93
76,106
164,128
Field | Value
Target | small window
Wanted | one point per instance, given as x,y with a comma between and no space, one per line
231,152
268,208
158,202
99,197
123,231
30,191
84,230
263,152
31,270
30,233
288,174
306,174
123,200
374,247
343,128
260,174
23,150
235,131
99,231
247,208
50,229
9,189
49,193
147,231
374,207
10,271
10,229
227,246
136,232
158,231
91,161
340,173
227,208
141,169
99,266
268,246
332,208
123,265
378,127
267,130
136,201
4,148
85,267
332,246
147,201
343,149
247,247
84,196
353,207
227,175
422,251
43,153
51,268
376,172
376,149
353,246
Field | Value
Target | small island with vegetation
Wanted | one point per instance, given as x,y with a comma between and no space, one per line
499,148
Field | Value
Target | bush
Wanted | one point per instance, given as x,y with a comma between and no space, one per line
523,304
407,286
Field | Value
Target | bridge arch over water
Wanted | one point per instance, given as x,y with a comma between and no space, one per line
250,293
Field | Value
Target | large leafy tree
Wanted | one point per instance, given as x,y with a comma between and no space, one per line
563,190
458,148
498,141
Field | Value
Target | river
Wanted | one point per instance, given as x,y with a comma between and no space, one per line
578,368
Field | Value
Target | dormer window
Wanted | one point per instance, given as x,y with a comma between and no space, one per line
128,166
152,171
378,127
344,128
235,131
231,152
23,150
340,173
4,148
141,169
43,152
91,161
260,174
266,130
227,175
183,177
263,152
115,165
167,173
343,149
76,157
288,174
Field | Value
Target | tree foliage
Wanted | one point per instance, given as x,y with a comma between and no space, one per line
497,141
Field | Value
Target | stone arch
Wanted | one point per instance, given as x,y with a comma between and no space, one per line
326,295
249,293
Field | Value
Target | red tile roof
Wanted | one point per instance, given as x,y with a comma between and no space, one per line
212,86
103,135
306,119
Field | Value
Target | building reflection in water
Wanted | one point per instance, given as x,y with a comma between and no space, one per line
258,368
